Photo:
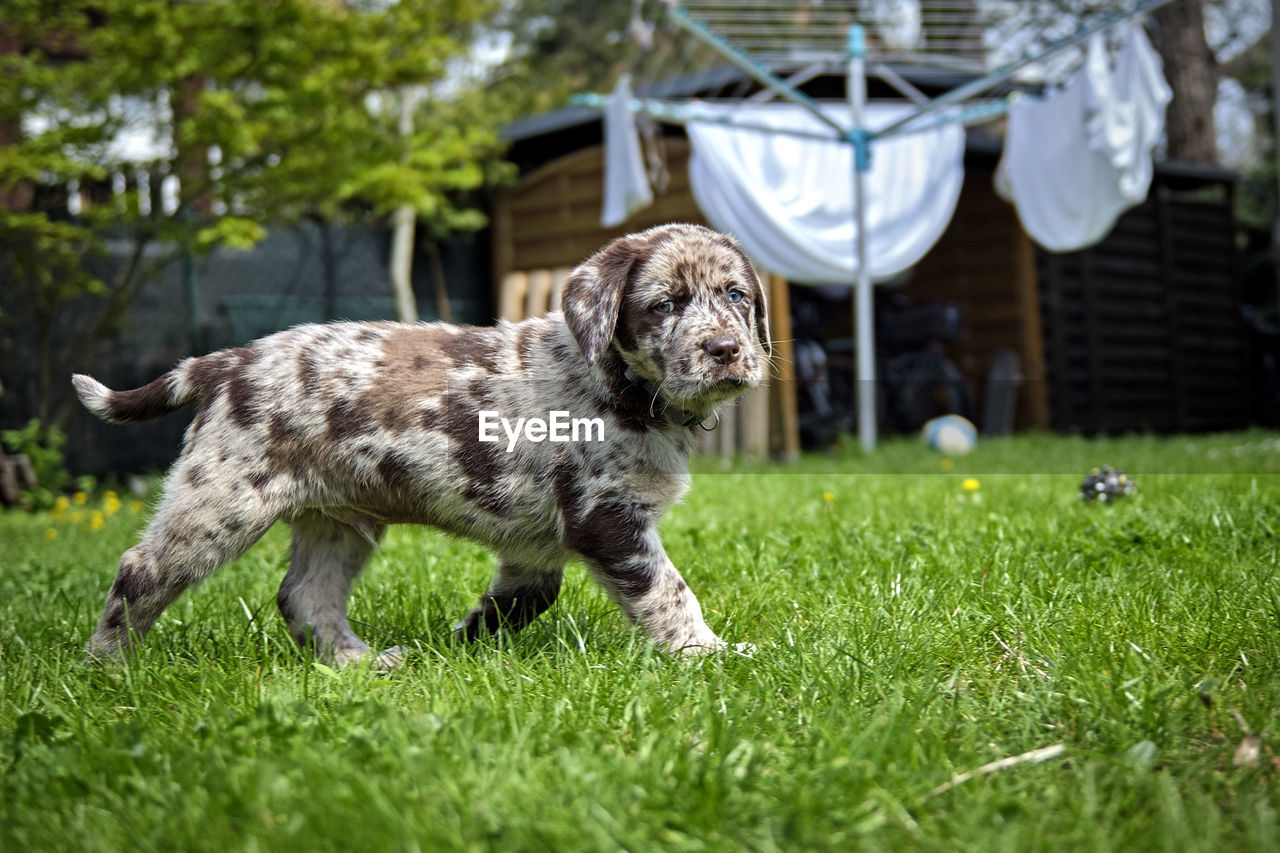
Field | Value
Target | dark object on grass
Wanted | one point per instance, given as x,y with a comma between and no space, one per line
1107,484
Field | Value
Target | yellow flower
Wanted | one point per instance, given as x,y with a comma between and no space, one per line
79,498
947,464
111,503
828,497
96,521
61,503
135,506
51,534
970,485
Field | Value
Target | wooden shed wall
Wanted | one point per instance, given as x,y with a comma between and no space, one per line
551,218
1144,330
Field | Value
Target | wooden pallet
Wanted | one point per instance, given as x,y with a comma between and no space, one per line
16,475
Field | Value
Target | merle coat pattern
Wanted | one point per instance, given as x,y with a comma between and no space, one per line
342,429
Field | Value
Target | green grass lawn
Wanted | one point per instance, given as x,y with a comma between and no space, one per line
908,632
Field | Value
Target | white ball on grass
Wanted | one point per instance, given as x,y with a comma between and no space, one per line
950,434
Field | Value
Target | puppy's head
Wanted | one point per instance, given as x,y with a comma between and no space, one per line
682,305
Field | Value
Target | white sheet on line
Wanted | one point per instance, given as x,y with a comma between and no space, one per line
789,199
1079,157
626,184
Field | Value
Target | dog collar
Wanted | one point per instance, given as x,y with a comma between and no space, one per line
674,414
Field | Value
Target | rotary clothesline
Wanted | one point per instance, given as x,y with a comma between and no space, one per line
747,181
772,174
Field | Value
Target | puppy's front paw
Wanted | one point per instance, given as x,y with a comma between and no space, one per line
717,645
392,658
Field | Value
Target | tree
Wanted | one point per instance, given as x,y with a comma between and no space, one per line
560,47
1192,71
265,113
1190,36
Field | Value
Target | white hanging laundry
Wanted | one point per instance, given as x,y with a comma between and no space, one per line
1079,157
789,199
1139,81
626,184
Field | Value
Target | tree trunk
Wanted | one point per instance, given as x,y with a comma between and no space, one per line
443,310
404,220
1275,118
1192,72
191,161
402,265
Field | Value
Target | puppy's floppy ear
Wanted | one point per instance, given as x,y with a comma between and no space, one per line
593,295
762,312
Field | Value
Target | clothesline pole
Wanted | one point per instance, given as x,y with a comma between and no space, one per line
863,305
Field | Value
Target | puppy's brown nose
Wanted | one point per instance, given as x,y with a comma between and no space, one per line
724,349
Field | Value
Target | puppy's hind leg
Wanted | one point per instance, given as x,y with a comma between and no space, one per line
194,532
327,556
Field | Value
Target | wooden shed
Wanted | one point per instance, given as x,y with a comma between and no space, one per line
1141,332
1145,330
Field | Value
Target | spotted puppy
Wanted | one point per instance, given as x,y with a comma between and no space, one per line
345,428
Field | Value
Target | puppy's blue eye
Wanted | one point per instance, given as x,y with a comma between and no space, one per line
666,306
736,295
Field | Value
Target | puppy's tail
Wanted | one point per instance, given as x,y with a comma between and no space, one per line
160,397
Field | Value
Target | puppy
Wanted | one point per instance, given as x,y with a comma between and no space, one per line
342,429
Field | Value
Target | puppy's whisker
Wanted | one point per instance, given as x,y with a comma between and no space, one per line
774,364
657,392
